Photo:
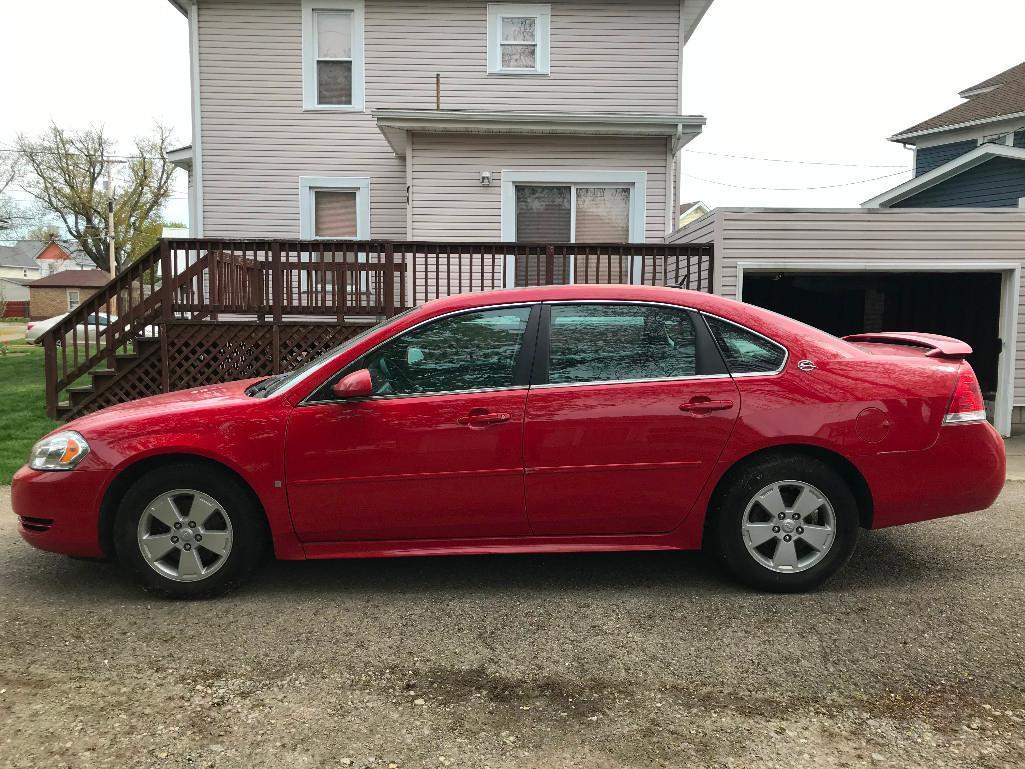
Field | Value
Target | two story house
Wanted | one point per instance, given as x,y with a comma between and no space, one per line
447,120
971,155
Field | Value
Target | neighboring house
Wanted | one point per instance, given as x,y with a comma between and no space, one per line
690,212
37,258
437,119
18,262
63,291
970,156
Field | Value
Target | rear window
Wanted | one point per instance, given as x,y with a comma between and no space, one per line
745,351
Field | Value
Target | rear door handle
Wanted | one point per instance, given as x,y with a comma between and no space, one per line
701,404
480,417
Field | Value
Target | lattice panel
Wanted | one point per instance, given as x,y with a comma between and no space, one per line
209,353
299,344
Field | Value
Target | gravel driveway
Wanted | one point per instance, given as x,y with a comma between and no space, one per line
912,658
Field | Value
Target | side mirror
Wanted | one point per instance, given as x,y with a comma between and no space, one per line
355,385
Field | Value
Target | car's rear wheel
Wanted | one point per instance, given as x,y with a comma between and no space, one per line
785,524
188,531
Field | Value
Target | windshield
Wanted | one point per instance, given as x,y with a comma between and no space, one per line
275,384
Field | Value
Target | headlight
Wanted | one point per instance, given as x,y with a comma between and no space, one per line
60,451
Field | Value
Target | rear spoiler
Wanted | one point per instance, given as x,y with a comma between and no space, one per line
939,346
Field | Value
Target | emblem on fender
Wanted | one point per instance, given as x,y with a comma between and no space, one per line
805,365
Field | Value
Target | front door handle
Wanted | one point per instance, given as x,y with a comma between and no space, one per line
701,404
481,417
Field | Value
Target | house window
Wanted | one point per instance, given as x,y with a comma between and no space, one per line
73,299
1004,138
519,39
580,207
333,54
334,208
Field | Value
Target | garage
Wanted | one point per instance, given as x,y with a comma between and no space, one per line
951,271
850,303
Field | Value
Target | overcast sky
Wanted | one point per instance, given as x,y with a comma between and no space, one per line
795,80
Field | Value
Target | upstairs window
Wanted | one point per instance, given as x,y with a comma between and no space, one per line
333,54
519,39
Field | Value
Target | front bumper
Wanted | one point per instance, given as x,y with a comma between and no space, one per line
59,511
963,471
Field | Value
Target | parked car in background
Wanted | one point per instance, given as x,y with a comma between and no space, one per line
90,330
566,418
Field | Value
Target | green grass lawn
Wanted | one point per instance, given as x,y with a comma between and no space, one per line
23,411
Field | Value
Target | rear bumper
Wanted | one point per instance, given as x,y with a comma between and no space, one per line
59,511
963,471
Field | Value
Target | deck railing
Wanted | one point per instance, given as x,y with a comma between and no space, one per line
267,283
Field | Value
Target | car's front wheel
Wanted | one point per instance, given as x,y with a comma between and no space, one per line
785,524
188,531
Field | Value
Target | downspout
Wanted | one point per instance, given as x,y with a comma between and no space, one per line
196,228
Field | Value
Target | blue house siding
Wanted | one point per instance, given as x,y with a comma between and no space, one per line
997,183
928,158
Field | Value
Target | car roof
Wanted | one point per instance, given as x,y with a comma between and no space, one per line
766,322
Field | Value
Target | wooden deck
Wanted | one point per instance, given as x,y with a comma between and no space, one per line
195,312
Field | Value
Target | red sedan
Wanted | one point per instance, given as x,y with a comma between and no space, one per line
573,418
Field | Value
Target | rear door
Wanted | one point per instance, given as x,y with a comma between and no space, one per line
629,412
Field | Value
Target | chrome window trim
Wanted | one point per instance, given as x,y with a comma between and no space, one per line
597,382
780,345
485,308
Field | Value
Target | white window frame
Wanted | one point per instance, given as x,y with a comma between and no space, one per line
1008,139
542,15
637,181
309,42
78,298
308,185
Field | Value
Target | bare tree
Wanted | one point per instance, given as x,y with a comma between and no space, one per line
66,173
10,163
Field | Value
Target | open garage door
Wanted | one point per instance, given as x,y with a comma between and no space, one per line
965,305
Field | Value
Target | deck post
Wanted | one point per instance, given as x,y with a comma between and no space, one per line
215,289
549,265
50,366
166,311
277,299
389,279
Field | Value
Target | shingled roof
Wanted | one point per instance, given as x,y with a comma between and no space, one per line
1001,96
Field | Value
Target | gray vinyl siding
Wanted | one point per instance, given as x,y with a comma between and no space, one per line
929,236
257,141
449,202
997,183
928,158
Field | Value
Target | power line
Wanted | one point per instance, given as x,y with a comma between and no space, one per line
797,189
791,160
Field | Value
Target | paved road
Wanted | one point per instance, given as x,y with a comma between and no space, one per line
912,658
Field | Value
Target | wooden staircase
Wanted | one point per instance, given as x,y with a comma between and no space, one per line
105,380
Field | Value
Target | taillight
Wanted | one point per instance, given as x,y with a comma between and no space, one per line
966,404
29,326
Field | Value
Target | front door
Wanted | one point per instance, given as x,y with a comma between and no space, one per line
624,430
436,453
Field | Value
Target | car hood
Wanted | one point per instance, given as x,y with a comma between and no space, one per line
191,402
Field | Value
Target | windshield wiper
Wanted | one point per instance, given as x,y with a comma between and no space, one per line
263,385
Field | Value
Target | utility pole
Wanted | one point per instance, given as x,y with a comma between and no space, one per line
110,220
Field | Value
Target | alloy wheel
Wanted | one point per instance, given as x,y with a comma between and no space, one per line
788,526
184,535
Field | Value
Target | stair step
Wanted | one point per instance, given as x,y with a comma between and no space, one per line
103,372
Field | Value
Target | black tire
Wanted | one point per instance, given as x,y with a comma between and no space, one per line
726,526
248,529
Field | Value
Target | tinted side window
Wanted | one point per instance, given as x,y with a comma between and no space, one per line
615,342
745,351
472,351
